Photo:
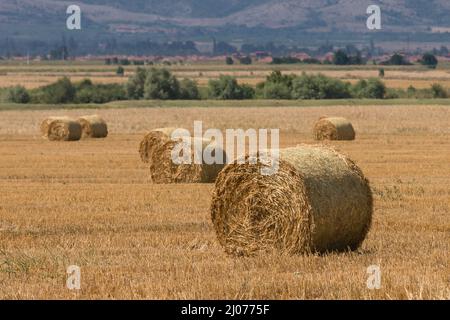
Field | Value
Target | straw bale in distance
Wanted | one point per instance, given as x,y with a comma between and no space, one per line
61,128
153,139
93,126
334,128
156,150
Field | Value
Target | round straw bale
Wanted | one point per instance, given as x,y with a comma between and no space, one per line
333,128
152,139
317,201
164,170
93,126
61,128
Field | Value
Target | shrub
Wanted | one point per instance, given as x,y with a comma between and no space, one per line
17,94
161,84
285,60
429,60
189,90
276,91
227,87
135,84
246,60
411,91
100,93
278,77
394,94
340,58
277,86
311,61
83,84
62,91
319,87
247,92
229,61
396,60
369,89
120,71
438,91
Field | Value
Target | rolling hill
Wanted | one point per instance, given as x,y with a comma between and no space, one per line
235,19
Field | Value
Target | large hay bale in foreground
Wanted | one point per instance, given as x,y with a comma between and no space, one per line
61,128
334,128
93,126
156,149
318,201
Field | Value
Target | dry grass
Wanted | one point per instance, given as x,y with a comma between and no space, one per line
37,80
34,76
90,203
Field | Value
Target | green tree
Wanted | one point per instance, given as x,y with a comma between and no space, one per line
62,91
411,91
369,89
227,87
189,90
246,60
397,60
100,93
120,71
438,91
341,58
429,60
135,84
319,87
277,86
247,91
161,84
18,94
276,91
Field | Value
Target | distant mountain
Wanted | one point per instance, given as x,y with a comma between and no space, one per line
230,19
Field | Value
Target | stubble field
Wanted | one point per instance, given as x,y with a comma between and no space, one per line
39,74
90,203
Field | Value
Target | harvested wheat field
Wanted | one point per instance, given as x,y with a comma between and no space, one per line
90,203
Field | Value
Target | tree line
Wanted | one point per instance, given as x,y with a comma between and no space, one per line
161,84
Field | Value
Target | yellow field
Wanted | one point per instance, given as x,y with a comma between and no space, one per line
90,204
35,76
